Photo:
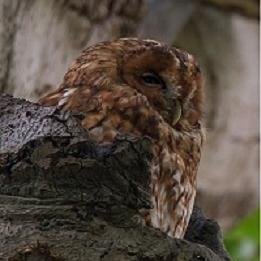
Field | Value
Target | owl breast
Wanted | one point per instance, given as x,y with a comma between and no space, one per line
173,183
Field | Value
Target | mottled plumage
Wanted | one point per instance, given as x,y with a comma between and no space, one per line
143,88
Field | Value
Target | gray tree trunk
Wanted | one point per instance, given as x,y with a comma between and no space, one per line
62,197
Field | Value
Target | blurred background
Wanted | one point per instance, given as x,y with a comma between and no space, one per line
40,38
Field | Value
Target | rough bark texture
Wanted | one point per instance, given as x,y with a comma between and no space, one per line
62,197
40,38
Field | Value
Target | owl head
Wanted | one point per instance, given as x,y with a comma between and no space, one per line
169,78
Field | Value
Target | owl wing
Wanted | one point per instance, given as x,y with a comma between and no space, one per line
107,110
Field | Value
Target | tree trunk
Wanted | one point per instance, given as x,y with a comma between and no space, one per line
63,197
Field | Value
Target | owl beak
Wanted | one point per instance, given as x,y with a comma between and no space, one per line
176,112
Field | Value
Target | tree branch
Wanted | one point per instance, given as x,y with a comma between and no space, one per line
63,197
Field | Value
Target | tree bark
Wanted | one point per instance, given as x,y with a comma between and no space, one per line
63,197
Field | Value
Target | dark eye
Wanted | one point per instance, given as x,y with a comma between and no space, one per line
152,79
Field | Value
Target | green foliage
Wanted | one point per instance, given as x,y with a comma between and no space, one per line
242,242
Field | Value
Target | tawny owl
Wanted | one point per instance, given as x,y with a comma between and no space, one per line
144,88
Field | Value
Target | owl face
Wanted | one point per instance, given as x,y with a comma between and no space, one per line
168,77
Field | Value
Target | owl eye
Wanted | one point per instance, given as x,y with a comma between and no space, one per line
150,78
